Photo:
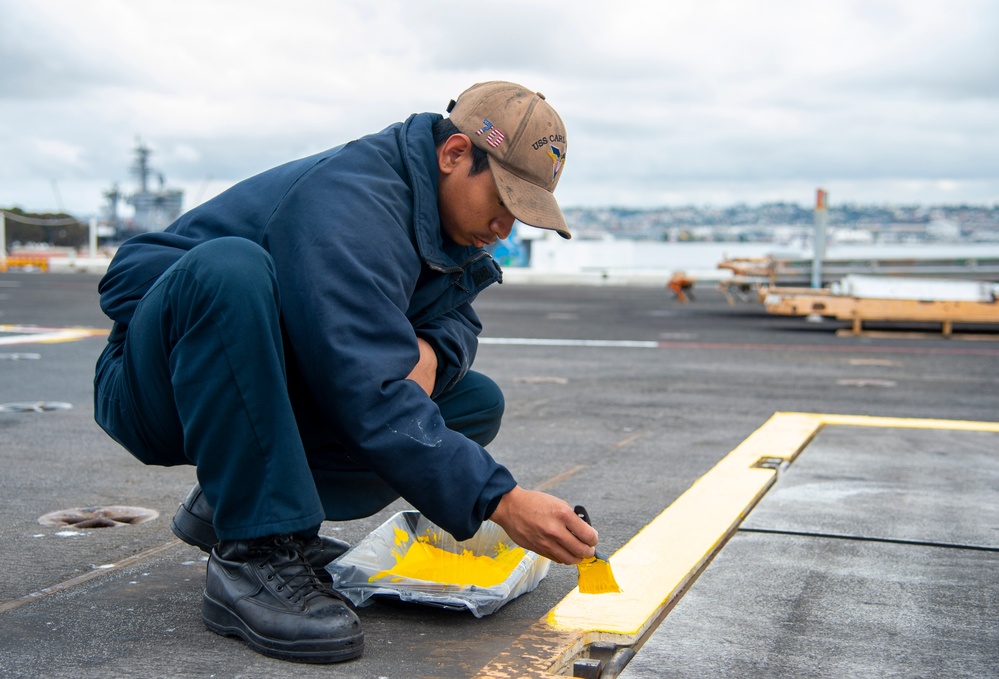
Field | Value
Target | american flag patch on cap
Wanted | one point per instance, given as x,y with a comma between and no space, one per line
495,137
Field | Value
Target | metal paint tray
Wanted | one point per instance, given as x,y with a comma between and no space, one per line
372,555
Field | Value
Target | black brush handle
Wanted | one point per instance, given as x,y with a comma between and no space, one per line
581,512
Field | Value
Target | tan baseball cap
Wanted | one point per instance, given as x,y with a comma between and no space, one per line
525,141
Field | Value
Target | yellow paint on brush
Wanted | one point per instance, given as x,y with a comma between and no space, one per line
596,577
423,561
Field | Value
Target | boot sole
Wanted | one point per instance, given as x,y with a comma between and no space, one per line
221,620
192,530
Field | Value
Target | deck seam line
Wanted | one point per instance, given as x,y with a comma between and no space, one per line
87,577
864,538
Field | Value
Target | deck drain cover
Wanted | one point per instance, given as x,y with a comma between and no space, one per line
98,517
34,407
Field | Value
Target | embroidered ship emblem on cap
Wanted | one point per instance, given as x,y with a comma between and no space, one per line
555,153
494,136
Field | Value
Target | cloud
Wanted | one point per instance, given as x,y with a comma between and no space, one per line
663,101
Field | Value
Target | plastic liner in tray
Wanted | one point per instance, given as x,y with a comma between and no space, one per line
353,571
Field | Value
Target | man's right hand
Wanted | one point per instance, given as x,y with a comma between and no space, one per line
546,525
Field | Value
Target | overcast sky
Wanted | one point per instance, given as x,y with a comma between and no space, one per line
665,102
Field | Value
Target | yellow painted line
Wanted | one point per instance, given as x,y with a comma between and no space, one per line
662,560
669,552
30,334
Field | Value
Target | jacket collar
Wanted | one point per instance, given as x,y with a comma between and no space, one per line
419,155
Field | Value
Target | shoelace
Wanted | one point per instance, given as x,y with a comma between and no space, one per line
288,564
284,554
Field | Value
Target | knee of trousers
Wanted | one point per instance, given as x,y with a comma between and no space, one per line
474,407
490,397
233,264
492,418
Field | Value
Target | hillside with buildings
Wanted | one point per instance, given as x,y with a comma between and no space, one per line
789,222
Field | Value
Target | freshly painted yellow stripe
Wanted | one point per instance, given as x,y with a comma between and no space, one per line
665,556
669,551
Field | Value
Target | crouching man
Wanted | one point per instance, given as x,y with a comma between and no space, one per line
305,341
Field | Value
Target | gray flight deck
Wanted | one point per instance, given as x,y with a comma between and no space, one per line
875,553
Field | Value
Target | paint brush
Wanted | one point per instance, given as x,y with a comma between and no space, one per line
595,574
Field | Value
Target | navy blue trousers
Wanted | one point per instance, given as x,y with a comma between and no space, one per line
201,378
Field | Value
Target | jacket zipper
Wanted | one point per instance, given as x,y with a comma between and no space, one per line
481,254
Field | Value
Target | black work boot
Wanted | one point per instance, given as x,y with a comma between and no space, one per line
193,524
265,592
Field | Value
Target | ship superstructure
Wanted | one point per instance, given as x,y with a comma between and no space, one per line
155,208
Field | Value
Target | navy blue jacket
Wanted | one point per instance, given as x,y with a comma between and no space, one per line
362,271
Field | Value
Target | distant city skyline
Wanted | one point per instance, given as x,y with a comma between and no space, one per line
691,102
868,223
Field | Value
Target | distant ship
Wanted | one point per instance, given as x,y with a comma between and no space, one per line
154,210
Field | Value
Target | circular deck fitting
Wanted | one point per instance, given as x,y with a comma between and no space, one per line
98,517
34,407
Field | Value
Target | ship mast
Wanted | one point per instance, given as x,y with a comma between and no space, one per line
140,168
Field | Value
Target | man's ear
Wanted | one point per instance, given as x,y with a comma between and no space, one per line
450,152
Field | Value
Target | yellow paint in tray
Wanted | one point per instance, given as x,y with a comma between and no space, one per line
424,561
